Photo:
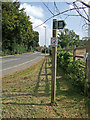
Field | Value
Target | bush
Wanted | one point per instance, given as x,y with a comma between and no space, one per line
16,49
73,72
43,50
63,60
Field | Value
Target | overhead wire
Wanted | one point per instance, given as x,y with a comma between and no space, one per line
57,10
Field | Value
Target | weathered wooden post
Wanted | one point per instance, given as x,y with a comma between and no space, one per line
74,53
88,75
88,61
85,83
57,24
54,57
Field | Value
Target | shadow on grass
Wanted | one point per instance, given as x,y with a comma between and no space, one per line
38,80
47,86
15,103
36,92
17,95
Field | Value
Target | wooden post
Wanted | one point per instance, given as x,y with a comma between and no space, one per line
88,76
88,61
67,48
53,81
74,53
85,83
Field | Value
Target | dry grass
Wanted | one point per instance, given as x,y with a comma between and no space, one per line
27,94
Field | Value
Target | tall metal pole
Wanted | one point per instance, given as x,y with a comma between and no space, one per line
45,39
54,57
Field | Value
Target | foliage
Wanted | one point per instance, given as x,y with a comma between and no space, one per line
68,38
73,72
17,31
50,50
43,50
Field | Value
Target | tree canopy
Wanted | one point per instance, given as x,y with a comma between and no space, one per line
68,38
17,29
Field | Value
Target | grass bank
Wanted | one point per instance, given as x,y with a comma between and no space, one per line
27,94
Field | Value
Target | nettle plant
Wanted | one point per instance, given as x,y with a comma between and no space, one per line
72,71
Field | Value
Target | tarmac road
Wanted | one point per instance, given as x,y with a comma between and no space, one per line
18,62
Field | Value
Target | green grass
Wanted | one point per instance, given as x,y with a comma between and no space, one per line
27,94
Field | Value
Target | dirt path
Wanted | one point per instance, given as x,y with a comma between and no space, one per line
27,94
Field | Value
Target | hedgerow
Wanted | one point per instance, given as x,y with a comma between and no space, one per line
72,71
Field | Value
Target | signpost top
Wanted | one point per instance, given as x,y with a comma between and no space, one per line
58,24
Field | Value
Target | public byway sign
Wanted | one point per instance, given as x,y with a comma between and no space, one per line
58,24
54,41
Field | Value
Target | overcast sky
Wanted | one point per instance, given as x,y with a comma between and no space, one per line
38,13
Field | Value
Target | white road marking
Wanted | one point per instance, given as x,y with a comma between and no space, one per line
19,64
3,61
35,53
42,54
9,60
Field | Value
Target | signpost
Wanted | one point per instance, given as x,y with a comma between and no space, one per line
57,24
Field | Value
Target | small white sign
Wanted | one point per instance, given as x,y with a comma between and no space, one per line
54,41
85,57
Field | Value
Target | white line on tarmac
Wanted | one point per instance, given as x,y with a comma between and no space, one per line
19,64
13,59
9,60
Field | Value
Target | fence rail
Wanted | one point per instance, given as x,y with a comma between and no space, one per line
80,48
73,52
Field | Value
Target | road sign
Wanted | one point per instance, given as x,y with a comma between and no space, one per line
58,24
54,41
61,24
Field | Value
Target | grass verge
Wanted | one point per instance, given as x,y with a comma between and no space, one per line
27,94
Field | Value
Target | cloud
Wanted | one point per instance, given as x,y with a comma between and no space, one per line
71,6
41,31
35,11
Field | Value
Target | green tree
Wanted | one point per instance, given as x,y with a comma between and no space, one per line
68,38
17,31
36,39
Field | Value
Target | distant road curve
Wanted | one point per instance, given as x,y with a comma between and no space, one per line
18,62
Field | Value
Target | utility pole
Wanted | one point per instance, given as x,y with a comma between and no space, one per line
45,39
54,57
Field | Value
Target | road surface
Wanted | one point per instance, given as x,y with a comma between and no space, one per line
15,63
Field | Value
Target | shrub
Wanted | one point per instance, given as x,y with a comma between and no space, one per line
73,72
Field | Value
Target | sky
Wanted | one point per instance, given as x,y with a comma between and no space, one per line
39,13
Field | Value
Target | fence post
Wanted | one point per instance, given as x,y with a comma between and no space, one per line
74,53
88,62
88,76
67,48
85,83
